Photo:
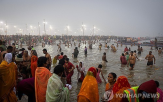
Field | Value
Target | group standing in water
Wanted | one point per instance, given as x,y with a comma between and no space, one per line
42,85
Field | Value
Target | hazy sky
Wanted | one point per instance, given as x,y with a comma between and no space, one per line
110,17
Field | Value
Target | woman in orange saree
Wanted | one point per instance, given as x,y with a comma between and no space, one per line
33,62
7,80
119,87
109,86
42,75
89,89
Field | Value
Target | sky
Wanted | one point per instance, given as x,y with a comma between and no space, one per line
136,18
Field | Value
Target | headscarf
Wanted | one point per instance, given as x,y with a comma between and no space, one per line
120,85
89,88
149,87
56,92
121,82
8,57
92,71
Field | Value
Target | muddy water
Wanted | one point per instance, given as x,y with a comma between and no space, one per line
140,74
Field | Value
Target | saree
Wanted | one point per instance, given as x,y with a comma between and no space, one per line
42,75
89,89
56,92
33,65
118,89
7,82
54,61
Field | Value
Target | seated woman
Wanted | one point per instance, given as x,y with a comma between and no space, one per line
109,86
81,72
34,59
123,59
98,74
42,75
120,85
89,89
56,92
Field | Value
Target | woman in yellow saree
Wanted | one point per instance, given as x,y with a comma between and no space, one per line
7,79
89,89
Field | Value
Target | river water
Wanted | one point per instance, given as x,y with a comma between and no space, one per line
140,74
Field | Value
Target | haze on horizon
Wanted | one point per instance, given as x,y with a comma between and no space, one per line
138,18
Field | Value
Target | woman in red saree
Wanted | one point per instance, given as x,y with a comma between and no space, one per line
119,87
33,62
69,70
89,89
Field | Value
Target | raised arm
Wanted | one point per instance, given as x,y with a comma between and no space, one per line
103,76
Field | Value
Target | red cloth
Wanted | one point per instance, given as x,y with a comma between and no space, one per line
126,49
60,57
33,65
149,87
68,67
93,70
123,60
120,85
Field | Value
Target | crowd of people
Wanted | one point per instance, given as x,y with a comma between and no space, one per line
23,72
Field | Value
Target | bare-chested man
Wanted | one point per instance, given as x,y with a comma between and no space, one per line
132,60
104,60
14,48
150,58
48,62
159,51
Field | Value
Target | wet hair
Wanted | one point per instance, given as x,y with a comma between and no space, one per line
45,50
127,53
41,61
9,48
65,56
61,53
23,49
58,69
34,52
67,59
157,83
123,54
99,66
114,75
